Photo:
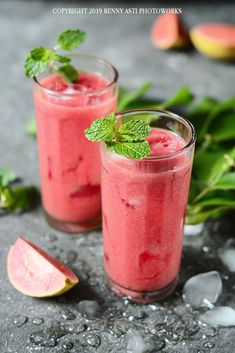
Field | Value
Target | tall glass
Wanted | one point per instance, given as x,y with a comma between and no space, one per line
144,204
69,163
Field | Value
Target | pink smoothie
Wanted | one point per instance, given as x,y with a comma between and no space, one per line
69,163
144,206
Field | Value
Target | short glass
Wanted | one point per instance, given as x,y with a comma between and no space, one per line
69,163
144,204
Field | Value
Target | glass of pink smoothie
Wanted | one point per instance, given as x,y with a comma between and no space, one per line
144,204
69,163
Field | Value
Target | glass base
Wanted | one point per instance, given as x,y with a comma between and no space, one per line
73,227
142,297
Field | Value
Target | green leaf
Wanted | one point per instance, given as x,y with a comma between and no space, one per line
7,176
135,150
200,217
226,182
219,109
62,59
223,128
68,73
204,162
31,128
24,197
17,199
134,130
223,164
102,129
34,68
199,112
183,96
71,39
125,97
42,54
38,60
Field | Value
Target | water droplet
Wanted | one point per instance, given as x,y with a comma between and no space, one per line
51,343
67,314
192,330
37,321
93,340
49,336
89,308
209,344
71,256
51,238
67,345
75,328
20,320
153,307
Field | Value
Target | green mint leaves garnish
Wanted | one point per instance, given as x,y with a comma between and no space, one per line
14,198
40,59
71,39
135,150
126,139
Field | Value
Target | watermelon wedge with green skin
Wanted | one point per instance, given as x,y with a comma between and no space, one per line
216,40
169,33
35,273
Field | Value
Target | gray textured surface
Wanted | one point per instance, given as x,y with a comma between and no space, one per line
124,40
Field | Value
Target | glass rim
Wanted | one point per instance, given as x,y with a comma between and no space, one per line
170,114
90,58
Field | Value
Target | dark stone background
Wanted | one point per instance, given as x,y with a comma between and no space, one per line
124,40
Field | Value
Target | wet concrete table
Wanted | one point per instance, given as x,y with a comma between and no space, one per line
105,323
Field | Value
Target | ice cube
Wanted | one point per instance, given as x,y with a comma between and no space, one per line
203,290
193,229
227,255
135,342
219,316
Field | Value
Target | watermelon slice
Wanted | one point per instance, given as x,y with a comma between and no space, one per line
35,273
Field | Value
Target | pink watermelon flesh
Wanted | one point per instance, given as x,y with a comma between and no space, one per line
34,272
168,32
217,32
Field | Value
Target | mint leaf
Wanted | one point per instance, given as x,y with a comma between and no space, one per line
42,54
183,96
71,39
125,98
102,129
127,139
31,128
134,130
135,150
38,60
68,73
62,59
34,68
17,199
7,176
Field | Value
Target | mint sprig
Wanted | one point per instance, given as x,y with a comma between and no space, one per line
40,59
126,139
14,198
